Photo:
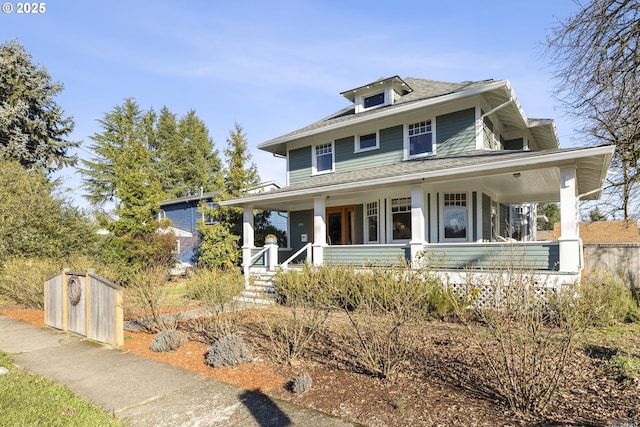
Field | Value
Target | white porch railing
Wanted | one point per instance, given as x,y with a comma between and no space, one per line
307,248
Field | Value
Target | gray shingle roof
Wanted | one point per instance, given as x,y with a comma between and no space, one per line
422,89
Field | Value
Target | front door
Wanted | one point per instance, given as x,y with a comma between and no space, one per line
341,225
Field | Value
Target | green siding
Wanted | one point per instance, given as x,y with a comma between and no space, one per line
360,224
534,256
486,217
300,222
487,134
455,132
299,165
390,151
361,256
504,218
474,214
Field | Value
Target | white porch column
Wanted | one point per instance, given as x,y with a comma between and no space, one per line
569,238
248,233
319,229
418,229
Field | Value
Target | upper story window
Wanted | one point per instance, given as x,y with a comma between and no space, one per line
420,139
367,142
323,158
373,100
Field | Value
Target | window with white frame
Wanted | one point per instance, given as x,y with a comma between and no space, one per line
323,158
420,138
401,217
373,100
455,215
367,142
372,222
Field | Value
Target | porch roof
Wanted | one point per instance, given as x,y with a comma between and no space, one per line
516,176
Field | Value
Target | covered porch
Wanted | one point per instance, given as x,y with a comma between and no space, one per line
454,213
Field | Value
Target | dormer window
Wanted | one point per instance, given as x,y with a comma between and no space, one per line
374,100
377,94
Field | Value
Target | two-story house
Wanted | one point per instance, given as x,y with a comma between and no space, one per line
451,171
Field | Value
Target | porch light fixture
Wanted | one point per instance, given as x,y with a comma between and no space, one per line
516,175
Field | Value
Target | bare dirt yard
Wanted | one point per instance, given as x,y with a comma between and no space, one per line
444,383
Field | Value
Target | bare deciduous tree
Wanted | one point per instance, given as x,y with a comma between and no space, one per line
597,64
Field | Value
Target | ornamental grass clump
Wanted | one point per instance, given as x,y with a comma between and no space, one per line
167,340
231,350
302,383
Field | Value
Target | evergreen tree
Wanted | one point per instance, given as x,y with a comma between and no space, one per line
35,222
552,212
122,173
187,161
221,243
596,215
33,127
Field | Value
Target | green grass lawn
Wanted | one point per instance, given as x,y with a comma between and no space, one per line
30,400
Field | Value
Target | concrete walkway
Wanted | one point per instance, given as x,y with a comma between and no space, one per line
142,391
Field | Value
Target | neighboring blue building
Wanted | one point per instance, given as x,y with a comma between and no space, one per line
184,215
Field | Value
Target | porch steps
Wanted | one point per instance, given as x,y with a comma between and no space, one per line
260,290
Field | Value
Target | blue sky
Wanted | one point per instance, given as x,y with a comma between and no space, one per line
276,66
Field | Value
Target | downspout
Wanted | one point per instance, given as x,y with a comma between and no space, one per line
579,238
480,121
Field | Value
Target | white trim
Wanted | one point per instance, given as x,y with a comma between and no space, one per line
552,159
365,221
405,142
314,160
398,109
389,213
356,142
469,217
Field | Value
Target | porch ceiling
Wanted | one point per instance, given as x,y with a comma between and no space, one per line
494,172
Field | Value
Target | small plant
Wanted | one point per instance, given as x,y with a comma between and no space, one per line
627,366
167,340
229,351
400,403
302,383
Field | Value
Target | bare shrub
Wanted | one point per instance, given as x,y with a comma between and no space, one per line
22,279
231,350
304,313
217,289
145,299
167,340
526,331
382,305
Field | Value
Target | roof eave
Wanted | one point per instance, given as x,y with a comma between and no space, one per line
273,144
558,158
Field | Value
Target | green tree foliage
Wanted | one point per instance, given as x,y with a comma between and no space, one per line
122,172
219,248
186,154
596,215
33,127
552,212
35,222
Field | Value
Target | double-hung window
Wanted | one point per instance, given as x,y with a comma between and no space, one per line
401,217
372,222
420,139
455,216
323,158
